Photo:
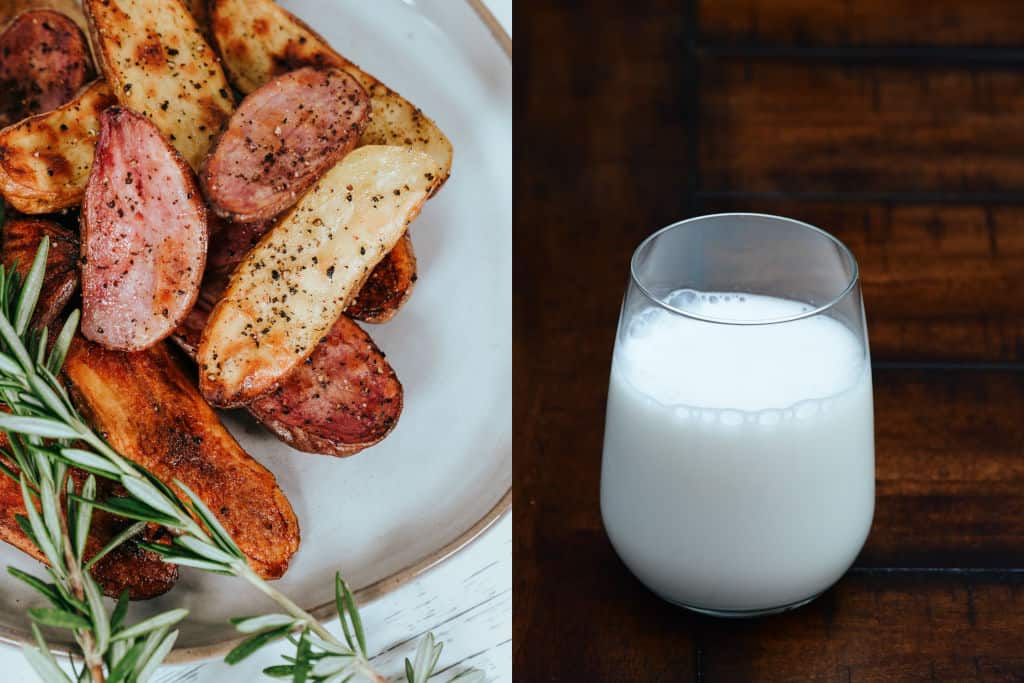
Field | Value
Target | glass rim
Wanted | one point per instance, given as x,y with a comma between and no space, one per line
843,249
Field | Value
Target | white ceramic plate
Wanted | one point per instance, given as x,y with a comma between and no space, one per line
444,475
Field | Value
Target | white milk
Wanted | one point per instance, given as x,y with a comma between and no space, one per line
738,465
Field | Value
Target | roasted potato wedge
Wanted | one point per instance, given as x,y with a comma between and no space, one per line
343,399
21,238
45,160
158,63
389,286
259,40
144,236
70,8
303,274
149,410
45,61
142,573
280,140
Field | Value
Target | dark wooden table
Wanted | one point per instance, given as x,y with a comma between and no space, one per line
898,125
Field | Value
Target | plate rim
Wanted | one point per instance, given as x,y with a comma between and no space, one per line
388,584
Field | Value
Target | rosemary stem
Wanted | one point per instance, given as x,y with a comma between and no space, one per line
77,585
242,570
360,664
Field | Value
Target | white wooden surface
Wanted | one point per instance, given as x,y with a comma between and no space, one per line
466,602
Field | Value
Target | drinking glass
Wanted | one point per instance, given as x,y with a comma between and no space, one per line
738,469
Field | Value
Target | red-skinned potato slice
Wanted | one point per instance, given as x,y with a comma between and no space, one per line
144,236
21,238
44,61
282,138
148,408
344,398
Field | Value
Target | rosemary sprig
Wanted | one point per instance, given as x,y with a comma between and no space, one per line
48,437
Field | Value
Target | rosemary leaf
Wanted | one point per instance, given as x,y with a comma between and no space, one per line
121,671
132,509
353,613
251,645
39,533
153,659
148,494
30,289
279,671
100,623
63,342
44,666
36,426
47,590
267,621
210,521
83,516
202,549
166,619
89,461
58,618
120,610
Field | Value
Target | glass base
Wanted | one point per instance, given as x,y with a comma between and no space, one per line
742,613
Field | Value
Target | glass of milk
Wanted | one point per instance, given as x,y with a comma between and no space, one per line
738,472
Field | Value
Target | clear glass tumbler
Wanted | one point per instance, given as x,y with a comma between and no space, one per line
738,471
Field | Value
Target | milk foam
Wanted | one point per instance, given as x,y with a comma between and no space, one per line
715,371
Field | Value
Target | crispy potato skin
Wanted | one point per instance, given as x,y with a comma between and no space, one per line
389,286
343,399
157,62
302,275
45,160
45,62
144,236
21,238
280,140
259,40
143,574
199,12
148,408
69,8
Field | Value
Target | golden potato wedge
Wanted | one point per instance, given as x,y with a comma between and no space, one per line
45,160
294,285
259,40
70,8
158,63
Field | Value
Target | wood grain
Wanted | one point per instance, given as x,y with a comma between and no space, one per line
880,628
862,23
941,281
950,476
799,126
